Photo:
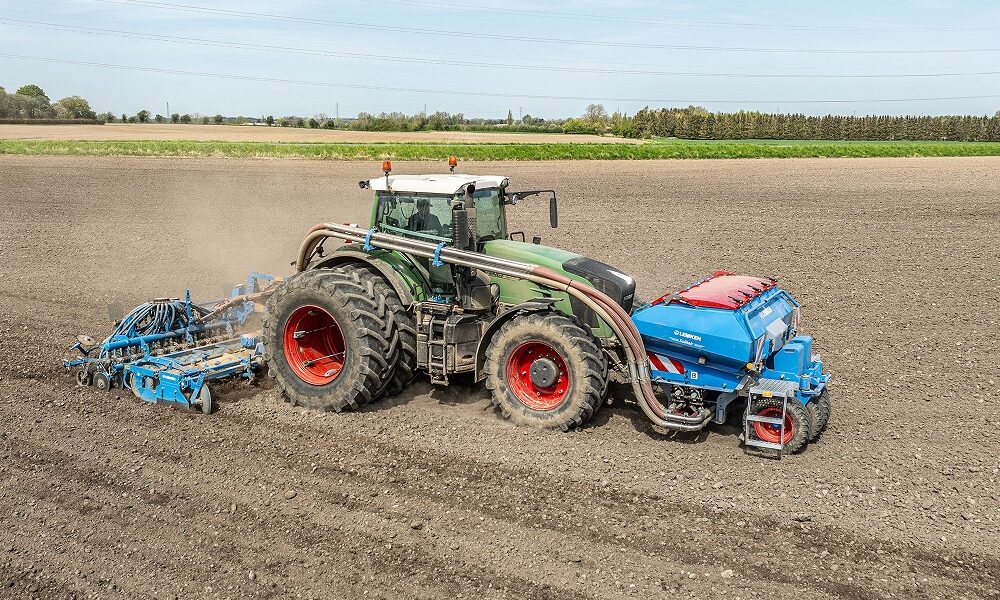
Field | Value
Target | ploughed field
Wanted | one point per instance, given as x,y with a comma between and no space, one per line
431,495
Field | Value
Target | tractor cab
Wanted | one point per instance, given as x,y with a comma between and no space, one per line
453,210
437,208
468,212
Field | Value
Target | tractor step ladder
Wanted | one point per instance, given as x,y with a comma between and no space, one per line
435,340
767,388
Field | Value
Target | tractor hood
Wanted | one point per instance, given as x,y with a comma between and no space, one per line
617,285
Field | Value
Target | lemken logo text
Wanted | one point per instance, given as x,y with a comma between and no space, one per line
687,335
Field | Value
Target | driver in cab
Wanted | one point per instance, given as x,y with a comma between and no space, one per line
423,219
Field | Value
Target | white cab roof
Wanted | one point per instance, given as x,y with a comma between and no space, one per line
449,183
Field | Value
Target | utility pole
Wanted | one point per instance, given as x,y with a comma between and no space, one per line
168,109
520,114
337,110
425,110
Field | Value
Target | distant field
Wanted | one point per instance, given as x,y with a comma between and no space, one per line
659,149
238,133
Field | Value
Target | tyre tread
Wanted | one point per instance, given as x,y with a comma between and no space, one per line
370,343
590,371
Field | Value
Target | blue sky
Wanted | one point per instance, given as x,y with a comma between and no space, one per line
398,45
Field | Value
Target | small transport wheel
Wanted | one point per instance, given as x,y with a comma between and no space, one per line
83,377
545,371
102,381
204,399
326,341
812,411
818,410
797,423
825,409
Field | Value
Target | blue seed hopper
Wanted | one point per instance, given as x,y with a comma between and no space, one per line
734,337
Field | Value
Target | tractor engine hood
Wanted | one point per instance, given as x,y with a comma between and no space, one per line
617,285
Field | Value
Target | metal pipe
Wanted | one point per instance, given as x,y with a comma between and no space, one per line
358,235
227,304
701,418
600,303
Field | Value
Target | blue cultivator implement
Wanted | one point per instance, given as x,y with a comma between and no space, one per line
168,349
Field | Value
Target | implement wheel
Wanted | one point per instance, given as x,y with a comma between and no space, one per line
819,413
327,341
546,371
83,377
204,399
102,382
797,423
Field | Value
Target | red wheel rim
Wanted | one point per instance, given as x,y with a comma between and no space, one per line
767,432
527,391
314,345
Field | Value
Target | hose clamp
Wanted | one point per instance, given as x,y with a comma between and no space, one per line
368,240
437,255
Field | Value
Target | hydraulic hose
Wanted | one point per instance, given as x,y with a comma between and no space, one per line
631,340
606,308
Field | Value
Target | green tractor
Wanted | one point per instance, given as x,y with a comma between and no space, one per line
362,320
436,283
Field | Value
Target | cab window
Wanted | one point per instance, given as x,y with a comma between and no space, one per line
427,217
490,221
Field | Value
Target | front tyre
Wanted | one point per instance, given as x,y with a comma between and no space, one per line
326,341
545,371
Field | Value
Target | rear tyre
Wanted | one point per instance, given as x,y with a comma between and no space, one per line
404,323
326,341
797,423
376,290
812,411
546,371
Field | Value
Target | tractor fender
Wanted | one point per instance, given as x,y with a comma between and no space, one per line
409,286
531,306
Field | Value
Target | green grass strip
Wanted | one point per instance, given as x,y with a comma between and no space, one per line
660,149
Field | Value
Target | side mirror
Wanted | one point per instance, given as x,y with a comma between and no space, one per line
553,212
460,232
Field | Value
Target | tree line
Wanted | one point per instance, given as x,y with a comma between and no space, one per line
695,122
30,103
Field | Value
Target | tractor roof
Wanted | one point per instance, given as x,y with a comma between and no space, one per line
449,183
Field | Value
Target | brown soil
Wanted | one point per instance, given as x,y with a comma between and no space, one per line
430,495
234,133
